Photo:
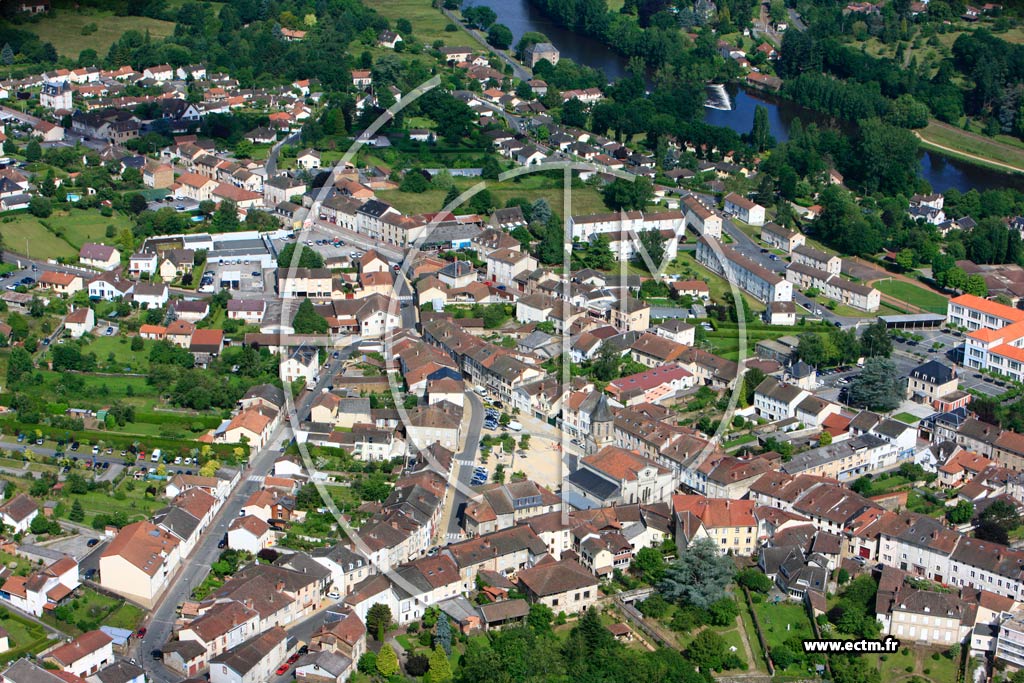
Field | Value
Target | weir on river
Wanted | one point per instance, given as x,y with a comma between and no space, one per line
718,98
729,105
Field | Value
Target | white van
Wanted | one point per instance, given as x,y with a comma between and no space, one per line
515,426
156,455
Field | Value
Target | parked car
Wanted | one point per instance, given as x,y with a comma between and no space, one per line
157,655
283,669
141,633
93,542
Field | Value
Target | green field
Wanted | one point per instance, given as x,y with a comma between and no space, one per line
124,357
932,302
25,636
687,266
78,227
971,145
427,22
25,234
135,504
584,199
70,230
781,622
65,30
88,608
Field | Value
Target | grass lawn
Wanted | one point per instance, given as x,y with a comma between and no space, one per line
928,300
427,22
25,234
907,418
135,504
65,30
124,357
19,565
972,144
895,665
79,227
943,669
781,622
25,636
90,607
686,265
755,645
584,199
725,340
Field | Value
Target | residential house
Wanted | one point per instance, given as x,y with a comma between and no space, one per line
99,256
563,586
85,655
139,562
80,321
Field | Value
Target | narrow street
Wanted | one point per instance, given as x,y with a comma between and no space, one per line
194,569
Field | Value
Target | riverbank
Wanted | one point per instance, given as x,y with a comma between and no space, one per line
971,147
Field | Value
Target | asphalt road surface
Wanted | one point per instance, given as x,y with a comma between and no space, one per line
463,474
195,568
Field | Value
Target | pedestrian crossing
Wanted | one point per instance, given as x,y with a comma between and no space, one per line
257,478
466,463
452,537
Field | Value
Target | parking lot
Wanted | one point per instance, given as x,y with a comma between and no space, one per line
908,354
245,279
328,245
181,204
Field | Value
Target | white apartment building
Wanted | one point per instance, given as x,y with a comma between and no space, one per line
756,280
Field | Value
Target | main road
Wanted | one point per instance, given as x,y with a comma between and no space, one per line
194,569
462,472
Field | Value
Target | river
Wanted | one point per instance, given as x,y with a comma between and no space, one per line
941,172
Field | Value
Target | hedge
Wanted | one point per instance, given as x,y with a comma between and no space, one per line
32,647
224,452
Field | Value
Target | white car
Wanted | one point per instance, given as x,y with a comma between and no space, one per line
334,595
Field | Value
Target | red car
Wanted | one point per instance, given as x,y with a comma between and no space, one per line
283,669
294,658
141,632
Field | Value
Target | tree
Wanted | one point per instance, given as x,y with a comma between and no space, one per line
414,181
77,513
387,661
654,244
574,113
40,207
450,197
540,617
378,620
760,133
540,212
650,564
308,321
7,54
19,365
852,668
624,195
698,576
754,579
499,36
137,204
876,340
707,650
961,513
877,387
307,257
33,151
41,524
443,634
440,668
